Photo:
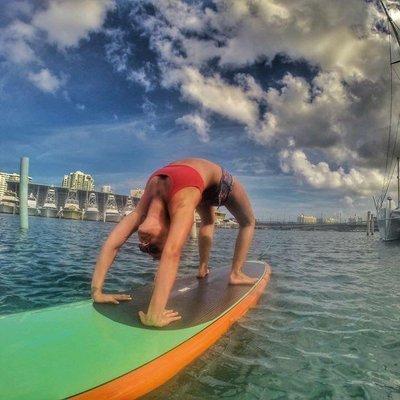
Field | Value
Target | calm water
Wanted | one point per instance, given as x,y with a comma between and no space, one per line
328,326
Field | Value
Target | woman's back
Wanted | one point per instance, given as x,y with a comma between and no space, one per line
209,171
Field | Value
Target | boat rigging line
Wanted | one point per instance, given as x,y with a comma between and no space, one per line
391,146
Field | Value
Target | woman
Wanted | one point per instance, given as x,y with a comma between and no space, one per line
164,218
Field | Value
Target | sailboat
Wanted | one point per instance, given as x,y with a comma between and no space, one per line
388,215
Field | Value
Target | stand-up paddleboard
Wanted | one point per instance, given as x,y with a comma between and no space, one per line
102,351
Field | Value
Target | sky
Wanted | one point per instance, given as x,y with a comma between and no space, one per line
291,96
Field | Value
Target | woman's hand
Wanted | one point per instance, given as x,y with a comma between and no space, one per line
164,319
110,298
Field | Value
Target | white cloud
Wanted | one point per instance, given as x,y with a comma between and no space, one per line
361,182
141,135
149,108
15,42
215,94
332,35
348,201
335,36
45,81
339,38
337,108
312,114
66,22
198,123
141,77
119,49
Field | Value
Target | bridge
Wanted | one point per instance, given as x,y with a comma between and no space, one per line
40,192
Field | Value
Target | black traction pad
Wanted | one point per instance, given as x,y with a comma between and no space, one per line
196,300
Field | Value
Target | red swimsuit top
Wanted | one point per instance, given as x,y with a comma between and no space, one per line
181,176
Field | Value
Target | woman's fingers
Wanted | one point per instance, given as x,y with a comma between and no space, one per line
171,319
169,312
167,317
123,297
171,315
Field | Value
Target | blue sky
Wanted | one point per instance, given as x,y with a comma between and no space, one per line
119,88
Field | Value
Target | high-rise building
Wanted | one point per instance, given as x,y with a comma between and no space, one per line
106,189
6,177
14,177
137,193
306,219
78,180
3,183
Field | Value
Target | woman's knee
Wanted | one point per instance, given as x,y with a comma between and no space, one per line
247,222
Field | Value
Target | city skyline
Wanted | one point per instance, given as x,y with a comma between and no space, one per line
121,94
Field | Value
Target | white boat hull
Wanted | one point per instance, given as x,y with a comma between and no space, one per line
112,217
48,212
32,211
91,215
389,224
71,214
8,208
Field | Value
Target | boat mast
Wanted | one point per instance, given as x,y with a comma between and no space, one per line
398,182
393,25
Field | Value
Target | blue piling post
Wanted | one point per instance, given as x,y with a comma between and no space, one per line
23,193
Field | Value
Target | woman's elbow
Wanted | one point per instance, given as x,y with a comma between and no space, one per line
112,245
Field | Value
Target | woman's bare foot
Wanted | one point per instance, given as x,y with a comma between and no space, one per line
241,279
203,272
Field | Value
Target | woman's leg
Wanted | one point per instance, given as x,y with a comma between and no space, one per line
239,205
205,238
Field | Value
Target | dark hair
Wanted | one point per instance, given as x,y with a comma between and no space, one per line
149,248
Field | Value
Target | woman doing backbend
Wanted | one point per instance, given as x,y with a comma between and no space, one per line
163,220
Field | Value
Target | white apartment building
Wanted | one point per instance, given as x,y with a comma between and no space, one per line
78,180
306,219
106,189
6,177
3,183
136,193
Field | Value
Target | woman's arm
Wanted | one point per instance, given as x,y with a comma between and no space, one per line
118,236
181,216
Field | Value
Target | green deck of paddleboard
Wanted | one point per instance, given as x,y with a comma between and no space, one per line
61,351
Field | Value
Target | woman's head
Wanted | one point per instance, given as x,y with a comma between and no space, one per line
153,230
